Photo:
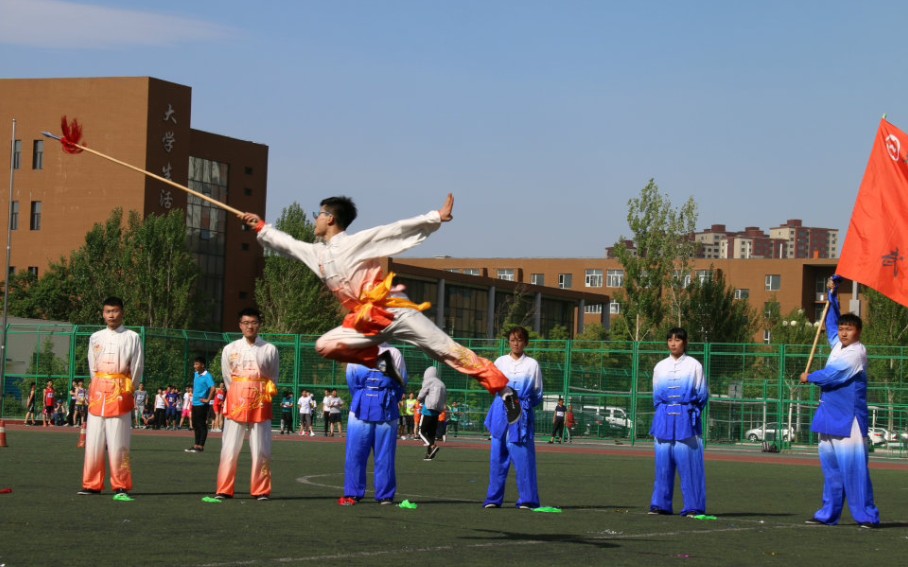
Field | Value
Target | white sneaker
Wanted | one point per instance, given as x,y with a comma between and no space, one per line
311,434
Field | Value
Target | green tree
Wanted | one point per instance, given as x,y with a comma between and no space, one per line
886,325
793,329
147,263
711,313
292,298
657,268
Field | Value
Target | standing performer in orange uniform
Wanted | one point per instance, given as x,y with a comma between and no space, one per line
250,368
115,362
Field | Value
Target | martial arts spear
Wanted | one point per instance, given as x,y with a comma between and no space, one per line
71,142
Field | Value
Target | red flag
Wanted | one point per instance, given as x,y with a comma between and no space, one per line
876,246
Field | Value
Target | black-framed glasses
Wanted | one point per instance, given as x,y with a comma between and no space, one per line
320,213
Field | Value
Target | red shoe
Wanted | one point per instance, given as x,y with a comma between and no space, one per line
346,501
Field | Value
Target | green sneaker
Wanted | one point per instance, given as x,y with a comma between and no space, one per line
123,497
212,500
407,505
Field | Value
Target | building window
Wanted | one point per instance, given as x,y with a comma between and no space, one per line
247,170
506,274
565,281
243,295
33,270
247,191
593,278
472,271
767,336
771,309
12,271
773,282
593,309
17,154
614,278
704,276
742,293
614,307
38,155
14,216
244,246
537,279
36,216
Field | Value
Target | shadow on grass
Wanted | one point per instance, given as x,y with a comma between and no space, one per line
753,515
559,538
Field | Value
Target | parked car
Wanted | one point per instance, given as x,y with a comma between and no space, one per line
771,431
879,436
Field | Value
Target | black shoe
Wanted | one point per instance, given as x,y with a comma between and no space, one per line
386,366
432,452
191,450
223,496
653,511
868,525
263,497
511,404
815,522
88,492
490,506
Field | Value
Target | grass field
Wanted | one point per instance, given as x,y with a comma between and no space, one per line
761,502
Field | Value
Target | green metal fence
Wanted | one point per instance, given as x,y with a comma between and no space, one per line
755,394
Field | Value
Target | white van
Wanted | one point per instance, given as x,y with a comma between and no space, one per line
613,416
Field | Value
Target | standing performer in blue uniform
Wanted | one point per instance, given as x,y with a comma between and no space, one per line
372,427
515,443
841,420
680,393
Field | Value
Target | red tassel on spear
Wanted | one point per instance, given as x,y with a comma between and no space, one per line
72,136
72,144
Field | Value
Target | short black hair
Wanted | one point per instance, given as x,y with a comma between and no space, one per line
521,332
677,332
113,301
342,209
250,312
851,320
200,360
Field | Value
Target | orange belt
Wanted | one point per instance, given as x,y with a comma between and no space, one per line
110,395
372,315
249,399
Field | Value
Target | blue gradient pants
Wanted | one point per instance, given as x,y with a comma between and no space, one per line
686,457
364,437
523,456
845,472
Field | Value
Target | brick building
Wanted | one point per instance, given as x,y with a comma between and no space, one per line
145,122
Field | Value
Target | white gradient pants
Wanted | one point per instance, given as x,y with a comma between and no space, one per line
112,434
846,475
260,449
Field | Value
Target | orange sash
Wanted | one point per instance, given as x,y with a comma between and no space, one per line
249,399
110,395
372,315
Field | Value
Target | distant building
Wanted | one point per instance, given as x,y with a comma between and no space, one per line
792,284
790,240
145,122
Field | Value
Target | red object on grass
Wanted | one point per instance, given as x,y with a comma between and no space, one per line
72,134
6,490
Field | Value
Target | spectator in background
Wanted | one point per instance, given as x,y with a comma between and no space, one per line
160,410
287,413
203,390
220,396
433,396
410,414
30,406
454,417
81,405
49,403
558,421
306,405
141,401
186,409
569,424
326,410
334,412
59,415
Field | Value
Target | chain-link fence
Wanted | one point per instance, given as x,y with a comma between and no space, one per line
755,393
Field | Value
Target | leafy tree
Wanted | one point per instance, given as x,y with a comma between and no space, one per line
292,298
656,270
793,329
147,263
711,313
516,309
886,325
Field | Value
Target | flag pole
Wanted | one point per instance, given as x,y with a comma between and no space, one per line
9,249
201,196
816,338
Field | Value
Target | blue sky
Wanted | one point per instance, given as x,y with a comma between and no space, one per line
543,118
